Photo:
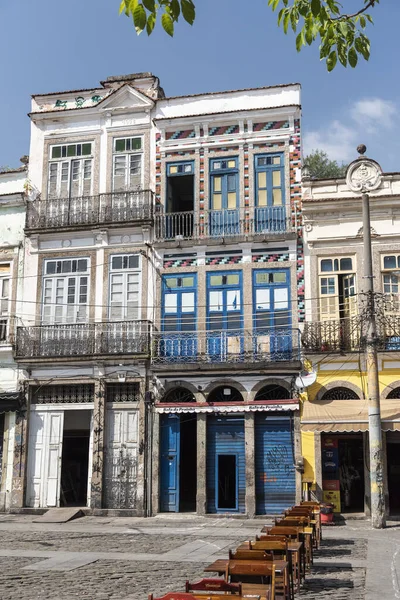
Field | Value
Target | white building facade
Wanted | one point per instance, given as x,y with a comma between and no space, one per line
12,221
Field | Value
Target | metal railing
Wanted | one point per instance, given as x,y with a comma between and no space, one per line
332,336
83,339
257,345
222,223
115,207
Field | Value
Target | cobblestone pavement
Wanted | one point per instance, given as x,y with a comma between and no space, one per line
164,557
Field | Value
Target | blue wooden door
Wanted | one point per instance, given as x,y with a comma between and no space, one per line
224,211
270,209
170,460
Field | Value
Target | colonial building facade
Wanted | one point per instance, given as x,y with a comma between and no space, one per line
163,293
335,416
226,348
12,220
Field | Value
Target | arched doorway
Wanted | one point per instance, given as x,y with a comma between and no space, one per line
225,393
272,392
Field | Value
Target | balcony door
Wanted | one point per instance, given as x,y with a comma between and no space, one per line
179,299
179,217
270,209
272,313
224,197
224,316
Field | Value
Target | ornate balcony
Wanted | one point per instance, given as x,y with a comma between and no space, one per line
228,347
84,211
269,220
82,340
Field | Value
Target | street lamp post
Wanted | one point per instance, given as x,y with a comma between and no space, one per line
364,175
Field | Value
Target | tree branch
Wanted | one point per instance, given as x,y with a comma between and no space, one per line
370,4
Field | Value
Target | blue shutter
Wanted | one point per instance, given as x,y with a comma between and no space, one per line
169,462
225,438
275,471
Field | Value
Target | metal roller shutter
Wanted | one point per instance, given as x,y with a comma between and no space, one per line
226,453
275,470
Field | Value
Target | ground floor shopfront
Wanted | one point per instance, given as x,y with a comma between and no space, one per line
82,447
226,460
336,452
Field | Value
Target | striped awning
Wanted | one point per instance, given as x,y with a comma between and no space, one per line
9,401
347,416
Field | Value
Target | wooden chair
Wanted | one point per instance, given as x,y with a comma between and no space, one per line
257,572
209,584
273,538
289,532
250,555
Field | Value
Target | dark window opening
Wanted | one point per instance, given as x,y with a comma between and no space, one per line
75,458
340,393
188,464
351,475
226,481
178,395
393,467
180,193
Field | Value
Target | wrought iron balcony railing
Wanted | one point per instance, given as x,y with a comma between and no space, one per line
83,339
332,336
116,207
239,346
222,223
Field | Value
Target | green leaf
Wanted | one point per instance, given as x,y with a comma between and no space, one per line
294,20
275,4
286,20
122,7
151,22
188,11
299,41
353,58
139,18
363,22
331,61
168,24
175,9
315,7
150,5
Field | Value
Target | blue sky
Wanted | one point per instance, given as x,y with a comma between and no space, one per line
49,46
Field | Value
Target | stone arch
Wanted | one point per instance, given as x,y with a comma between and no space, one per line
227,382
271,381
185,387
218,394
354,392
392,391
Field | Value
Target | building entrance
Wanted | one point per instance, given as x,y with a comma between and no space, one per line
75,458
178,437
393,471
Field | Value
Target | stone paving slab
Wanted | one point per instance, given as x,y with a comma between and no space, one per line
60,563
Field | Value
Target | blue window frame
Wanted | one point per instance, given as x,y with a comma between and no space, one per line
224,196
272,312
179,302
224,314
179,314
270,210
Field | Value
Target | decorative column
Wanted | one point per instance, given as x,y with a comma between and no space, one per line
201,496
18,488
155,474
249,440
96,496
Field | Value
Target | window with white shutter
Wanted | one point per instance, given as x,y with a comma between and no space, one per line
5,269
70,171
124,287
65,291
127,164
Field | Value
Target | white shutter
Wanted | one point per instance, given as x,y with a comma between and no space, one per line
132,296
76,167
82,300
116,296
135,171
87,177
64,180
54,169
4,293
120,173
47,301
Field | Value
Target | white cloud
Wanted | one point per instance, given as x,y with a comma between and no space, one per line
372,113
337,140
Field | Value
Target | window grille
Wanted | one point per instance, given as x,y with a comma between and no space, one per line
57,394
123,392
340,393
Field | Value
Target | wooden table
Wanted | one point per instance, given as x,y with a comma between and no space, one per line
219,565
295,566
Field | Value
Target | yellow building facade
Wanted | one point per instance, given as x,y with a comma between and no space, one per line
334,402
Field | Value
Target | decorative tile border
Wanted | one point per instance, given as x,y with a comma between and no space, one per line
270,125
180,134
234,259
174,262
266,257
